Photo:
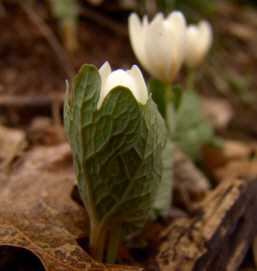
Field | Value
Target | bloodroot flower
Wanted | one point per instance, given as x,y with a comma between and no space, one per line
199,40
159,45
131,79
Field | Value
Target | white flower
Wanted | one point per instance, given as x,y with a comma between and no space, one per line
199,40
160,44
131,79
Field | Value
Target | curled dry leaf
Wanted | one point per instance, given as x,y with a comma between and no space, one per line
218,111
38,213
12,141
235,160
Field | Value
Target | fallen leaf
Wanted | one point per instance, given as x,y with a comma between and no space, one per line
12,141
37,212
241,169
217,111
235,159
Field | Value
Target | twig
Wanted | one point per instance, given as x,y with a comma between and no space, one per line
30,100
104,21
54,101
56,105
52,40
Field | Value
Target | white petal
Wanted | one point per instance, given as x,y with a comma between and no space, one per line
178,21
192,46
165,45
158,16
142,93
136,34
177,18
158,47
205,36
104,71
199,40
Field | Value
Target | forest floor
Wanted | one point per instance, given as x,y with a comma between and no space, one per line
33,70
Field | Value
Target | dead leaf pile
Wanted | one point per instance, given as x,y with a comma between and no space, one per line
37,212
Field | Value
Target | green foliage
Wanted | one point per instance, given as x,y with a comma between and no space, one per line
64,9
116,151
165,5
182,111
67,15
164,197
195,9
192,130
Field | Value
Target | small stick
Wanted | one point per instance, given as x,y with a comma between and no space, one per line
53,101
30,100
52,40
104,21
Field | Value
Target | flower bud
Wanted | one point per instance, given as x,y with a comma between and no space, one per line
131,79
199,40
159,45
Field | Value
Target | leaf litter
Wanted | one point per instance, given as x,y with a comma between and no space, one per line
38,213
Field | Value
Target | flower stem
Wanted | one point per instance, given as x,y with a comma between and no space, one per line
170,116
114,243
190,80
168,96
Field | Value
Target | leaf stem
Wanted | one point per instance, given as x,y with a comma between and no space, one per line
97,241
114,243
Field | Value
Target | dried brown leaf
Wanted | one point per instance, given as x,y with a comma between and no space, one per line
235,160
12,141
218,111
38,213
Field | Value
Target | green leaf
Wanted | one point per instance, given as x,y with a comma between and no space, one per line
116,150
192,130
163,199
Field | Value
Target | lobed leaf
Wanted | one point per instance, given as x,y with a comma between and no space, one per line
192,130
116,150
163,199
